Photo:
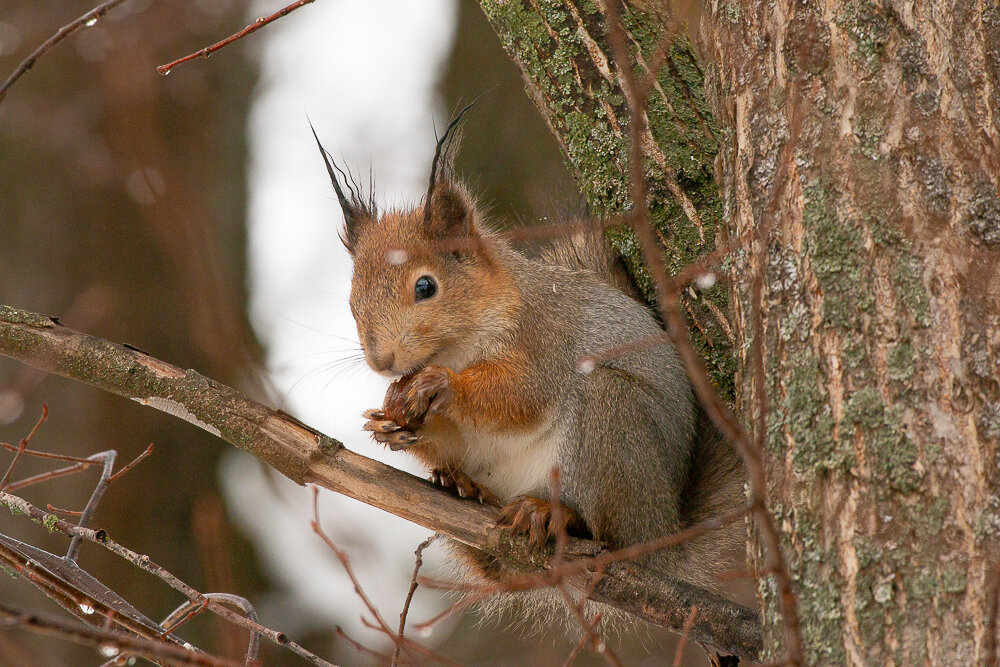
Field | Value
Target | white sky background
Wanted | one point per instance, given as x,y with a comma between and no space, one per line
365,73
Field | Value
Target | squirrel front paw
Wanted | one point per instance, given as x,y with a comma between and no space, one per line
387,431
533,517
466,487
410,400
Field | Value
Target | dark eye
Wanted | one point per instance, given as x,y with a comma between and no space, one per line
425,288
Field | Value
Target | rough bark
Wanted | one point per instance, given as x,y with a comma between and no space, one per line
873,127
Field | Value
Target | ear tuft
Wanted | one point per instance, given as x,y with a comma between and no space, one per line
356,209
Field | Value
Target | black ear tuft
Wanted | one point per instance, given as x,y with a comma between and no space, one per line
443,158
356,209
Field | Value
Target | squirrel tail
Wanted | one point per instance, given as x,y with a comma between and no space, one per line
715,485
590,251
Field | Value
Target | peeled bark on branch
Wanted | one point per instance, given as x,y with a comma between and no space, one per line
306,456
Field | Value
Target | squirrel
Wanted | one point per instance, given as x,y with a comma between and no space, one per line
495,390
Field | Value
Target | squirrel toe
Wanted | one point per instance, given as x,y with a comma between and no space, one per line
381,426
533,518
396,440
463,485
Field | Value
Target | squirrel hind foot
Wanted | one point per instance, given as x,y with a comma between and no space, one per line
461,484
534,518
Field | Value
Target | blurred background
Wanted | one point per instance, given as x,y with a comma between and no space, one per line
190,216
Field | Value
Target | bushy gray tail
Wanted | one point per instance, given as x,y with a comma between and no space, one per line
590,251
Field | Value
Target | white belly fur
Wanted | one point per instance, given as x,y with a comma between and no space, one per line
512,463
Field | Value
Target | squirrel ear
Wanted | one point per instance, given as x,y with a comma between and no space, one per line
451,215
356,209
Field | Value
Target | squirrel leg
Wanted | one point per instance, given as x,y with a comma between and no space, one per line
534,517
628,438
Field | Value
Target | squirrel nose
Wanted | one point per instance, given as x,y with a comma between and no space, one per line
383,362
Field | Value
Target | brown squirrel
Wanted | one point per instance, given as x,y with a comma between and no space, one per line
493,395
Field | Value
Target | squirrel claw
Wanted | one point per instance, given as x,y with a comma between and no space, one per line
463,485
381,426
396,440
533,518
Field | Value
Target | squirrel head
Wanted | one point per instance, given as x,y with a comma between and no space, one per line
427,287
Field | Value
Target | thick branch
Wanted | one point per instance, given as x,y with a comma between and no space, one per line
306,456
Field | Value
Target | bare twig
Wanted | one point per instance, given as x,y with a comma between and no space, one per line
588,627
50,508
156,651
383,627
145,563
688,624
583,640
419,554
146,452
253,27
46,476
108,459
358,646
23,446
88,19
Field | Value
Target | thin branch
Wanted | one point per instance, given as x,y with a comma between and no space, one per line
156,651
688,624
358,646
419,554
253,27
23,446
132,464
143,562
88,19
383,627
108,459
588,627
583,640
50,508
46,476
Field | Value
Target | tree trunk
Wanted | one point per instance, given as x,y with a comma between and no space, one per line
860,144
866,137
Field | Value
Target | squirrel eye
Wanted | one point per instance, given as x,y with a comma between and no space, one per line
425,288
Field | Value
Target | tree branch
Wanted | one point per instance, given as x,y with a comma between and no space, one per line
305,455
88,19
